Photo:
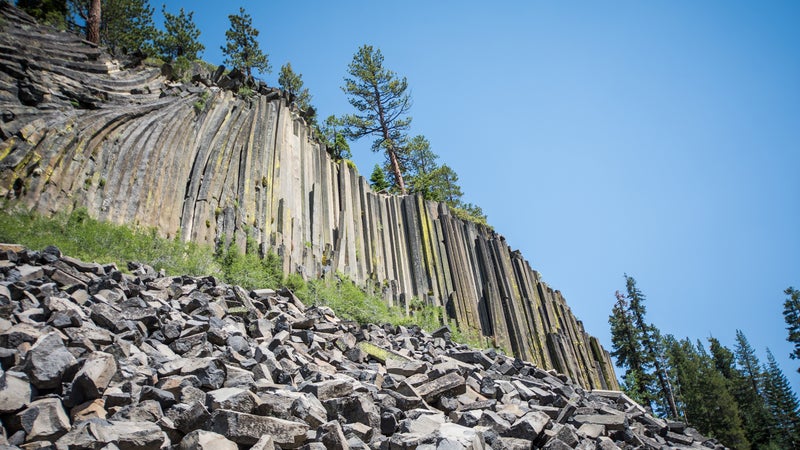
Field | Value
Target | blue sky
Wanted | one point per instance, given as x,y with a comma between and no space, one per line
659,139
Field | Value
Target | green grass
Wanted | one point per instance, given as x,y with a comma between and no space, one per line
80,236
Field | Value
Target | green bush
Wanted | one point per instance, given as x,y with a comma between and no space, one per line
245,92
200,104
248,269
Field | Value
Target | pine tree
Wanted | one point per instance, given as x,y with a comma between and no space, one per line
180,38
782,404
747,390
425,176
292,82
378,179
651,340
126,26
791,314
627,350
332,135
382,103
703,393
241,49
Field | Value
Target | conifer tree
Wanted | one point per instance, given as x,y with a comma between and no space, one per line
748,392
782,404
241,49
627,350
704,396
378,179
180,38
380,98
752,409
125,26
637,346
292,82
791,314
651,341
331,133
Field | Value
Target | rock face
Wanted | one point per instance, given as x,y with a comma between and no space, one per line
293,388
195,159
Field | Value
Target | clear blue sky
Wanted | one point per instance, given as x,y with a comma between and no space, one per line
659,139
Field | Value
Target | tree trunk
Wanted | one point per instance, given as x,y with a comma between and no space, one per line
396,169
93,22
398,175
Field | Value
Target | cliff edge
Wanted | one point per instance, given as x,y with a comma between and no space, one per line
79,129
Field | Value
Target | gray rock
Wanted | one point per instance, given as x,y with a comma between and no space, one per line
129,435
451,384
528,426
234,399
188,417
610,421
206,440
264,443
331,435
164,398
95,374
591,430
44,420
15,393
492,420
248,428
47,361
605,443
210,372
309,409
325,390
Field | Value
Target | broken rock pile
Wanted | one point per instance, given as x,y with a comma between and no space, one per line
96,358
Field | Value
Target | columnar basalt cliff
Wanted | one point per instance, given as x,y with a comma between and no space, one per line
81,130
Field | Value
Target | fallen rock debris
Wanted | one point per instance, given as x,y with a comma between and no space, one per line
96,358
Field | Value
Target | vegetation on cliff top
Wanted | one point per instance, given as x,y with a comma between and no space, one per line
378,94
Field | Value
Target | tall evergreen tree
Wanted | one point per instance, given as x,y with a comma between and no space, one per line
125,26
752,411
782,404
627,348
180,38
791,314
747,390
704,396
651,341
241,49
639,345
292,82
380,98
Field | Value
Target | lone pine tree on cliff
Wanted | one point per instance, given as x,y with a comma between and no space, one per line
380,97
241,49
